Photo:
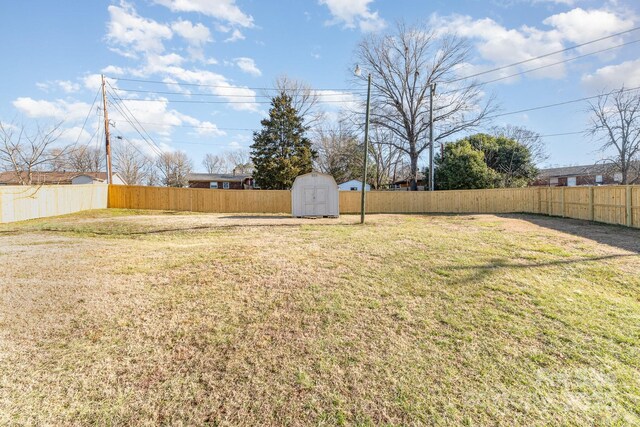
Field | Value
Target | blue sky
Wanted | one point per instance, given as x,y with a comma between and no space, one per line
55,51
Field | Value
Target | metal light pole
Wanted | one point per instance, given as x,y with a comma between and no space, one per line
366,146
432,174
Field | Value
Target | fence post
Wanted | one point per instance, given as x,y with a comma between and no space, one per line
629,207
562,204
549,194
591,209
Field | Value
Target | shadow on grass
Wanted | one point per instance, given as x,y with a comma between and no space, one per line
176,230
617,236
502,263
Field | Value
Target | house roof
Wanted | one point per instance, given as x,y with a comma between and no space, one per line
597,169
12,178
421,177
207,177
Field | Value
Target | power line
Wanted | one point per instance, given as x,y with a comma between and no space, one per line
544,56
197,101
152,144
218,95
362,90
134,117
575,58
87,119
542,67
562,134
222,86
199,127
559,103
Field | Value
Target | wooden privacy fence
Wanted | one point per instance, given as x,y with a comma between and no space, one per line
609,204
18,203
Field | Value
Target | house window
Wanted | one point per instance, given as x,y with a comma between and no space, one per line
354,188
225,185
553,181
571,181
598,179
617,177
213,185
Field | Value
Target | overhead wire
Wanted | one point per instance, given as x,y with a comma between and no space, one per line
557,104
541,67
153,146
151,142
545,55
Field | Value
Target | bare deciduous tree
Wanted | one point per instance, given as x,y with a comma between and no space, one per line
386,157
339,152
240,161
304,99
214,163
173,168
402,66
26,152
85,159
134,167
615,122
530,139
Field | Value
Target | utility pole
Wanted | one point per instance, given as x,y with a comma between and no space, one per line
366,151
432,174
106,132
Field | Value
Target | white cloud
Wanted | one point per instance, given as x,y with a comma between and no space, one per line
235,36
113,69
225,10
337,100
65,85
501,46
202,128
68,86
579,25
614,76
134,32
248,65
94,81
59,109
196,35
354,13
565,2
241,98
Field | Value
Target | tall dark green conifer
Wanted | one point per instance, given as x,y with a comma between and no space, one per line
281,151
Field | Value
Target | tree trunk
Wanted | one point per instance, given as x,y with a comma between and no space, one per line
414,171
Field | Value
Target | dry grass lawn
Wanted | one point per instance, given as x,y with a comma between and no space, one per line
156,318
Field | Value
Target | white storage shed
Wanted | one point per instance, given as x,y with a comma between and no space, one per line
315,195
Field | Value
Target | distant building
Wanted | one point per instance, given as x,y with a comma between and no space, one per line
571,176
60,178
221,181
405,184
353,185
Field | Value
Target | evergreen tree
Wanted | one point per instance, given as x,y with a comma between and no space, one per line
281,151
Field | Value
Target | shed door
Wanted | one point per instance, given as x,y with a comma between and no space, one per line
315,201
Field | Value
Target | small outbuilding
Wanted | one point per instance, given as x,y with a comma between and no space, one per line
315,194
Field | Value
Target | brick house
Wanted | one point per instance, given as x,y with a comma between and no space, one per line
221,181
571,176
